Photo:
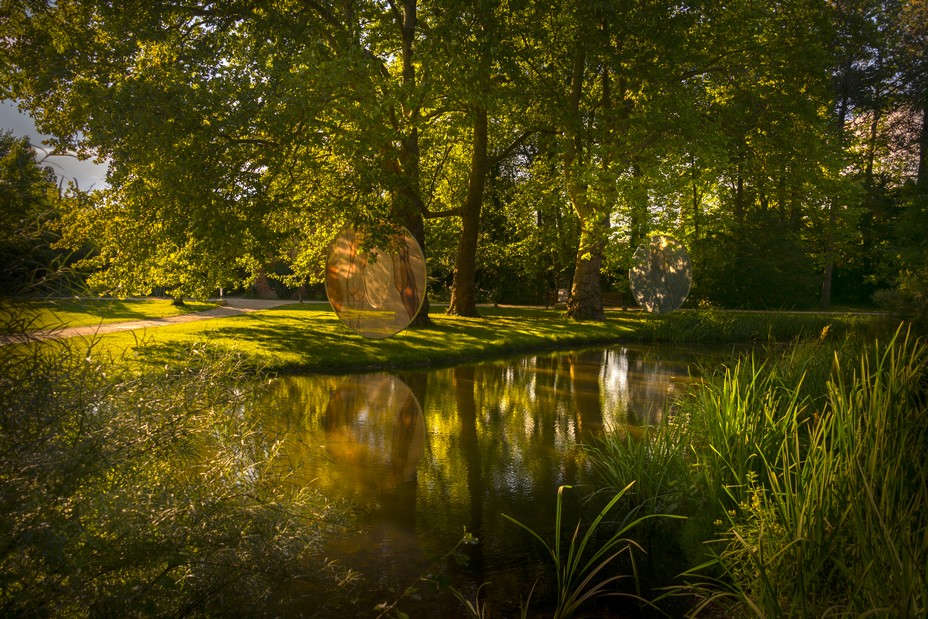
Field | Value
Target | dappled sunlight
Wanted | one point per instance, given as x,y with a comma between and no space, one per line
60,313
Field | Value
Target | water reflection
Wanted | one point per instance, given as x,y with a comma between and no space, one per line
374,432
428,454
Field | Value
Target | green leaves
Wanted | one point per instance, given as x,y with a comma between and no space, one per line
580,566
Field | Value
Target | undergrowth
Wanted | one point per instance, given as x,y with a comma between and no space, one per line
803,478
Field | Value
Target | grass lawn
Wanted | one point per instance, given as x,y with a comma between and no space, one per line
58,313
310,337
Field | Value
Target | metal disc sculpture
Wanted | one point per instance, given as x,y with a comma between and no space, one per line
661,274
376,292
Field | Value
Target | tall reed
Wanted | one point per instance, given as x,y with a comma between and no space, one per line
802,471
830,490
581,565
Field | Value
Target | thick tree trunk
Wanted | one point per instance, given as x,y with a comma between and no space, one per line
586,301
407,201
922,178
407,212
696,198
464,287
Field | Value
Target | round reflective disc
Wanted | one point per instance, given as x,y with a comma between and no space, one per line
661,274
376,292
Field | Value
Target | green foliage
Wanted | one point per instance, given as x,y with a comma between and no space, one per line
909,299
774,138
655,462
810,464
30,207
581,567
833,519
146,494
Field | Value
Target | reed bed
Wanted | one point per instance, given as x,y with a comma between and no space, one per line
804,478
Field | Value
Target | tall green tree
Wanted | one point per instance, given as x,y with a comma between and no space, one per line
30,206
228,125
614,81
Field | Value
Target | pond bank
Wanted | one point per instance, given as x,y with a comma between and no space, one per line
300,338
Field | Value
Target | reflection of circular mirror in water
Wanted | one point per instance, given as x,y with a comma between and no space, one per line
661,275
376,292
374,431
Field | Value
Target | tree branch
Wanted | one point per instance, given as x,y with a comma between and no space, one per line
500,155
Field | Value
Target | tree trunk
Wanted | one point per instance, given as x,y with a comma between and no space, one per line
739,192
464,287
696,198
407,201
922,178
825,300
586,300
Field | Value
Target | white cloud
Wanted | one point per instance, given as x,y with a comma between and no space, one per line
87,174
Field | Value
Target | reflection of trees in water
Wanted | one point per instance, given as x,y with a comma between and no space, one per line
491,439
637,387
517,422
466,404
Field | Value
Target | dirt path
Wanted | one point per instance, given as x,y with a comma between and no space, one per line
233,307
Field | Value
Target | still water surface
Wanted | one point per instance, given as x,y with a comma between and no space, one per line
427,455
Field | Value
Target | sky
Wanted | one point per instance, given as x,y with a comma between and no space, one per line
88,174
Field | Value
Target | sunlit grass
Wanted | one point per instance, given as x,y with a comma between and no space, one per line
310,337
60,313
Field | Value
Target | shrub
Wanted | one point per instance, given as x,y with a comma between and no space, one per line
145,494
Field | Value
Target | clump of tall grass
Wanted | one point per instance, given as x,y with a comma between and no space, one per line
827,489
803,472
581,565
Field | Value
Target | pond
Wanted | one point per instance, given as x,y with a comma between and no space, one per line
428,455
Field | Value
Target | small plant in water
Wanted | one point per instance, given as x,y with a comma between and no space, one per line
579,571
474,609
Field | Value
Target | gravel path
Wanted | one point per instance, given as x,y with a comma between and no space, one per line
232,307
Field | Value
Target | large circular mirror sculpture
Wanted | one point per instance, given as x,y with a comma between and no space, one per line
375,292
661,274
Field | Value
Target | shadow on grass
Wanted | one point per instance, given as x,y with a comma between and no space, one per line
312,339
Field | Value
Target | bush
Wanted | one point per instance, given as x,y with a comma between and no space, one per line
145,494
909,299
